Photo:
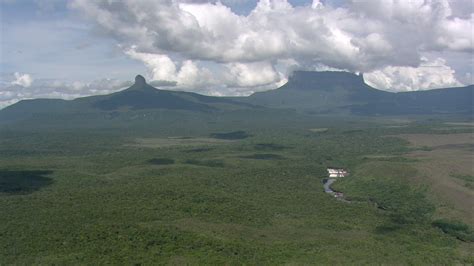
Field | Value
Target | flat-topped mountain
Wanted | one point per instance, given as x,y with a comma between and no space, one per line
342,92
325,80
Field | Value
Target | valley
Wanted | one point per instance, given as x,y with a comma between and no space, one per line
146,175
236,132
146,194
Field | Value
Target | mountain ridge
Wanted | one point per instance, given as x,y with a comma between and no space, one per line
347,93
328,92
139,96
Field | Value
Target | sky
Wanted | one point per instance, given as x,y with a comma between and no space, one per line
70,49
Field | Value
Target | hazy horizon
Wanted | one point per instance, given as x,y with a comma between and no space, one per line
93,47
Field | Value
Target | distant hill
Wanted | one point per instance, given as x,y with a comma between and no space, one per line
140,96
333,93
346,93
437,101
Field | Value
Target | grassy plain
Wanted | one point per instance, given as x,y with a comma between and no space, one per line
169,194
447,165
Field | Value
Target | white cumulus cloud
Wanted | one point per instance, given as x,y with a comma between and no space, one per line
23,80
176,39
429,75
162,68
251,74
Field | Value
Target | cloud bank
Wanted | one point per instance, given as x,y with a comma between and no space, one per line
198,44
22,86
215,48
429,75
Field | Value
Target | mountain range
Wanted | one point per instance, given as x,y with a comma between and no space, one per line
338,93
343,92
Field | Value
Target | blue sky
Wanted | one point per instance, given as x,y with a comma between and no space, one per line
54,48
55,43
47,39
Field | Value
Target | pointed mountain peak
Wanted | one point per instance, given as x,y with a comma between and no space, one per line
140,85
140,80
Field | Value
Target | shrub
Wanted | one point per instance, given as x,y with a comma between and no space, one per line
208,163
269,146
199,150
263,156
161,161
455,228
231,135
